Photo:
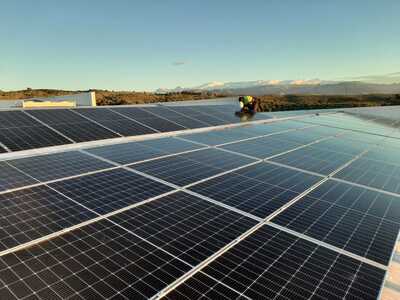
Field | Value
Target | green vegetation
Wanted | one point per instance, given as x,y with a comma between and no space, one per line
268,102
295,102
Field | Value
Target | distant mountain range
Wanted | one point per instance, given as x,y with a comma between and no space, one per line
278,87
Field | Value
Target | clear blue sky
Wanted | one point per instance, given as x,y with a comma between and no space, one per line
143,45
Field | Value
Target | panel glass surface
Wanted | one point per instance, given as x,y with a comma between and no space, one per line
148,119
355,219
202,286
97,261
340,145
133,152
260,189
11,178
310,158
73,125
272,264
175,117
59,165
376,174
191,167
35,212
388,155
202,117
111,190
115,122
217,137
263,147
18,131
188,227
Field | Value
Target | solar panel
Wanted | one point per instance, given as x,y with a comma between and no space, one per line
18,132
376,174
175,117
145,236
202,117
187,227
301,136
274,264
260,189
314,159
137,151
352,218
97,261
58,165
262,147
110,190
218,137
226,113
363,137
191,167
340,145
11,178
32,213
387,155
72,125
115,122
148,119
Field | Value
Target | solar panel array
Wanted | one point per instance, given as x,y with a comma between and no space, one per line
307,208
37,128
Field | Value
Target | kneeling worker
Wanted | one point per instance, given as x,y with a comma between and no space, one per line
248,104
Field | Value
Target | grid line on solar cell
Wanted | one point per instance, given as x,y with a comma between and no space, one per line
110,190
260,189
58,165
72,125
12,178
97,261
314,159
372,173
185,226
351,218
32,213
191,167
274,264
115,121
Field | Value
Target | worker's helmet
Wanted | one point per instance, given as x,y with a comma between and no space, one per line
241,98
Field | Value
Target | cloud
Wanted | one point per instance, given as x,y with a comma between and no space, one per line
179,63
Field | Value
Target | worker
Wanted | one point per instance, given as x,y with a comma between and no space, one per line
248,104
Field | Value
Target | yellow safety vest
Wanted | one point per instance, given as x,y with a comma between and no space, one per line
247,100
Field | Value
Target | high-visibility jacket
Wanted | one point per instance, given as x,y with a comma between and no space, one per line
247,100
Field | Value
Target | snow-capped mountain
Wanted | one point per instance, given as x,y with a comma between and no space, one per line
308,86
218,85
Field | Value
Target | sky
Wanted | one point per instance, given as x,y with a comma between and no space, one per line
145,45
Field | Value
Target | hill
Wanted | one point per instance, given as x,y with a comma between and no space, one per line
297,87
105,97
268,102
